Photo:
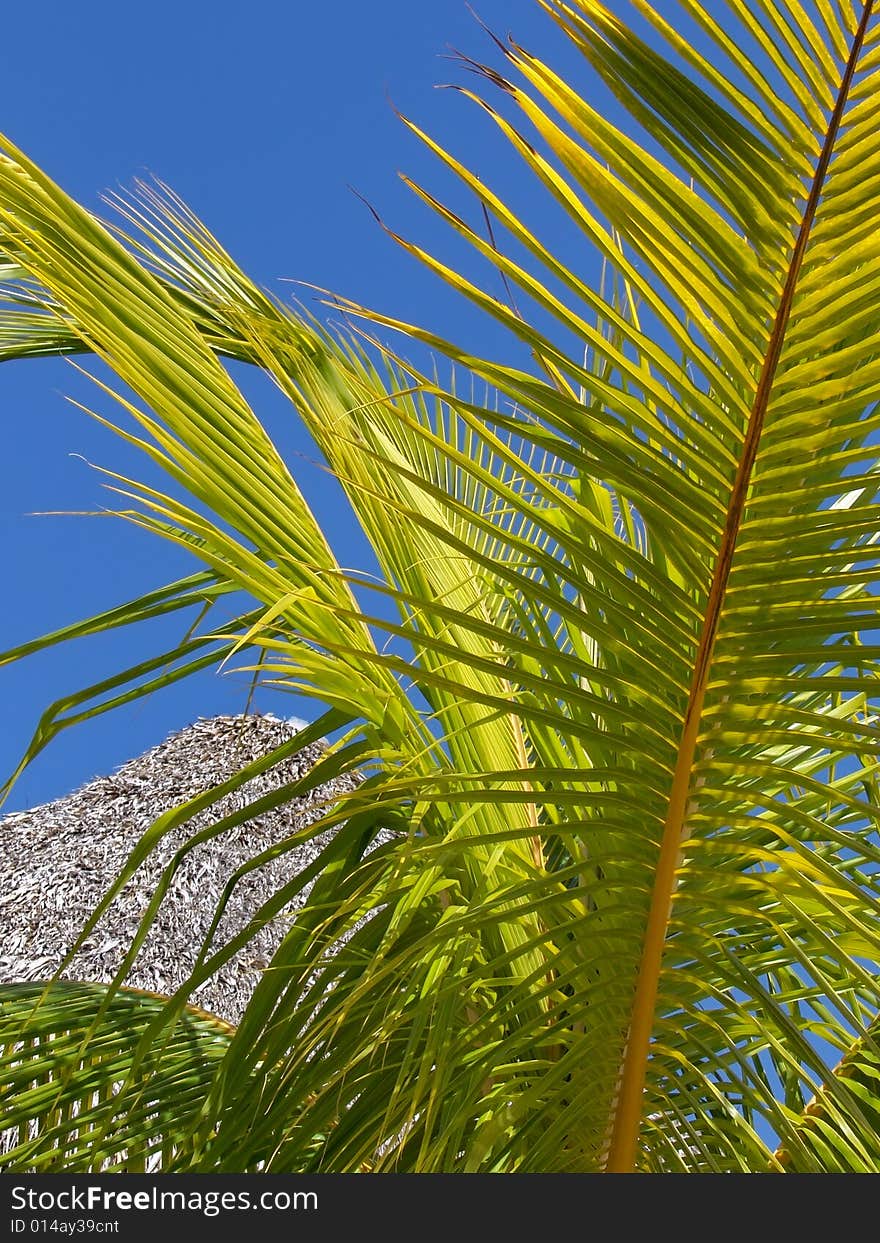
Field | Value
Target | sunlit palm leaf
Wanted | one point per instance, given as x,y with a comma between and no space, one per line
626,704
750,826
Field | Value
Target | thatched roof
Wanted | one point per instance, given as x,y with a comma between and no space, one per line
58,859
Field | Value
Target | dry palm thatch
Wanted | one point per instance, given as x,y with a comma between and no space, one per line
58,859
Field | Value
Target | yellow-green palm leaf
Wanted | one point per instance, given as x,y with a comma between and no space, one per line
615,684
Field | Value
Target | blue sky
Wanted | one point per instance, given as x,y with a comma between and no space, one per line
261,125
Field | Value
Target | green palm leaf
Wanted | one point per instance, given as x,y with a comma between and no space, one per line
616,677
70,1099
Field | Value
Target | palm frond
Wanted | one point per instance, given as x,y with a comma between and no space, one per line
615,682
70,1100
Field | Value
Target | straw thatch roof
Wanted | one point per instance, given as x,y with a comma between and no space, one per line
58,859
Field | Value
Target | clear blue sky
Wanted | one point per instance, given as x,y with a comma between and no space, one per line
260,117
